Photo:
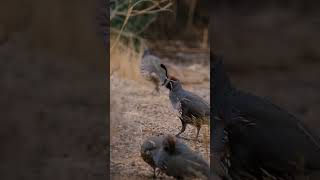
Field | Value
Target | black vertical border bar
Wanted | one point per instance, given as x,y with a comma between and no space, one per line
211,86
30,145
211,44
104,31
107,41
105,24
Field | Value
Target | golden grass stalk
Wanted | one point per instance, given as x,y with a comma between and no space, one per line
154,8
125,62
123,59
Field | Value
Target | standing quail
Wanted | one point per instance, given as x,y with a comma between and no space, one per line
262,137
191,108
150,69
176,159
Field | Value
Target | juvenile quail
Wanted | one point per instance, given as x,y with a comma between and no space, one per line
191,108
262,137
176,159
150,69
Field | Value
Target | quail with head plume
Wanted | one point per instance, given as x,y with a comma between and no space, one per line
262,137
191,108
150,69
176,159
151,147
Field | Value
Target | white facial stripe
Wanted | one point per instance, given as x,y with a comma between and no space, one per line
171,85
152,142
166,82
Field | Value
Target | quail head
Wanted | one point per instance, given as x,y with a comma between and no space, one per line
176,159
149,150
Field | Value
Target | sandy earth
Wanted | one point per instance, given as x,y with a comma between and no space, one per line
137,114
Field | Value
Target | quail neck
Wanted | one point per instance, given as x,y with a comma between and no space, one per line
176,91
173,85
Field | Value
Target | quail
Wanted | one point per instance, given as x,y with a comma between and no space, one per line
191,108
149,150
262,138
150,69
176,159
151,146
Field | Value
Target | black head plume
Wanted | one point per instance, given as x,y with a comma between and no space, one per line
165,68
166,81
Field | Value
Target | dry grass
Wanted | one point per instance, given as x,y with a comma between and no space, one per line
153,8
137,114
124,62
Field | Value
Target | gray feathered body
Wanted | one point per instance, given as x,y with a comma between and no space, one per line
150,148
191,108
267,135
150,69
181,162
260,134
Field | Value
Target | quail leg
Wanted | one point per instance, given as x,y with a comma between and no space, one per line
154,173
198,130
184,125
156,90
158,171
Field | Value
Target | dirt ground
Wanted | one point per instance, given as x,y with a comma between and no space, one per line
137,114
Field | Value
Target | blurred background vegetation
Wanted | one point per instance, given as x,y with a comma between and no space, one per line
156,24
